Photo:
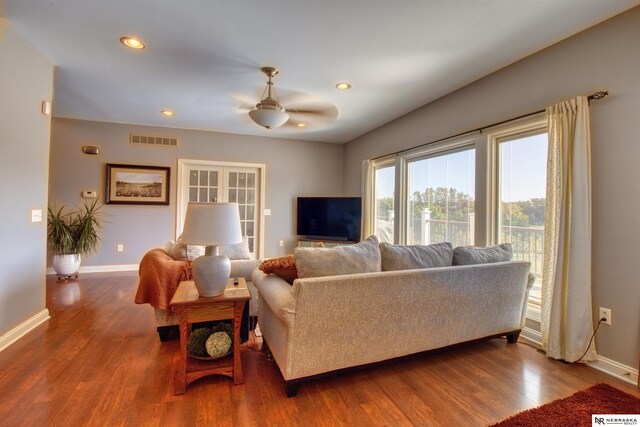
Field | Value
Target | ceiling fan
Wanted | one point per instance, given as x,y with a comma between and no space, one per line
302,110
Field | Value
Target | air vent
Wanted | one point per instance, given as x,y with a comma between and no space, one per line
164,141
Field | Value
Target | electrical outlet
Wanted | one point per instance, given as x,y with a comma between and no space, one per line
281,243
120,247
605,313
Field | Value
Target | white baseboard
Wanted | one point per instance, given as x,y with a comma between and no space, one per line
22,329
616,369
102,268
608,366
531,336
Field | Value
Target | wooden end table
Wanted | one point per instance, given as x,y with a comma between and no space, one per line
190,308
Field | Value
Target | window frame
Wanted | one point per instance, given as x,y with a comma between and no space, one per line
487,205
533,125
382,163
444,148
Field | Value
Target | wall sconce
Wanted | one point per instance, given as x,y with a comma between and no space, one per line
91,149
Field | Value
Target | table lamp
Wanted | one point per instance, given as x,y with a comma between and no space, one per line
210,225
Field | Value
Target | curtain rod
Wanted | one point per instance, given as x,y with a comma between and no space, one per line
595,96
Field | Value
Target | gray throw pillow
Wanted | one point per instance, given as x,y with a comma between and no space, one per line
363,257
397,257
498,253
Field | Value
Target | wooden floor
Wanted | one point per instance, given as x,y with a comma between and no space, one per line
98,361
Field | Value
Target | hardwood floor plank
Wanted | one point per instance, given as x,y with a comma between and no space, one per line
98,361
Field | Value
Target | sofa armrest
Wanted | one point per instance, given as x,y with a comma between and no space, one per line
244,267
276,293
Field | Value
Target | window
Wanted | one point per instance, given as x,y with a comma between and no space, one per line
522,186
519,167
427,195
440,199
482,188
384,185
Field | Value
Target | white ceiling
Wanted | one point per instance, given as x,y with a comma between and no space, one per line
203,57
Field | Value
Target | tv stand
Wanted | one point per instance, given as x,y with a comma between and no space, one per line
308,242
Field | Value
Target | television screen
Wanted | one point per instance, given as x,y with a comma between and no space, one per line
329,218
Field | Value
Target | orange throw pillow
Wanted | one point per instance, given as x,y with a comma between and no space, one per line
284,267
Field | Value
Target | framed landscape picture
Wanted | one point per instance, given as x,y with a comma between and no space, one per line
137,185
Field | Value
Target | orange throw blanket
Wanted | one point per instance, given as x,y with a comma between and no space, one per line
160,276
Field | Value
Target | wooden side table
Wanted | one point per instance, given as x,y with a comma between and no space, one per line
190,308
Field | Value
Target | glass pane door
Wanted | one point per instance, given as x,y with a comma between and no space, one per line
242,188
522,191
204,185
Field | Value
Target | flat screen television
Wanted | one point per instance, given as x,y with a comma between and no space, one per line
329,218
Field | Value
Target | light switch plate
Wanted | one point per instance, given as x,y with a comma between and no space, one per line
36,215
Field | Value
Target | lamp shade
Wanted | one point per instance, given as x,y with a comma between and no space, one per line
269,118
212,224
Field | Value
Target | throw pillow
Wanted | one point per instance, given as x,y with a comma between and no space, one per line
178,251
182,252
284,267
397,257
498,253
361,257
237,251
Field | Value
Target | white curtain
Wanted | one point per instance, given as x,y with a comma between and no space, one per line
367,199
567,323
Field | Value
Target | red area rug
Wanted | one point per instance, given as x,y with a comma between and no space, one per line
576,410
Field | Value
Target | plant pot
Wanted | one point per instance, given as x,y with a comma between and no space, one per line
66,265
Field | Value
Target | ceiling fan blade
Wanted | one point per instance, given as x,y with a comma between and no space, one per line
325,113
244,102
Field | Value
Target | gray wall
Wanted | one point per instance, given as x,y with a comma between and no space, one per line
606,56
26,79
293,168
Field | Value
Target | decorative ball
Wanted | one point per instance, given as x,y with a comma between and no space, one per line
218,344
223,326
196,342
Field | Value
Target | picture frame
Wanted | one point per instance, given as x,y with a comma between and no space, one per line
137,185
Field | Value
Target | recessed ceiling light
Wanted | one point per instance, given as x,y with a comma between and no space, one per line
343,86
168,113
131,42
301,125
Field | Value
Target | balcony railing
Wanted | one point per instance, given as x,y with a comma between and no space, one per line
527,242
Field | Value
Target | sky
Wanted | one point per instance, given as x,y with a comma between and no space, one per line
138,178
523,174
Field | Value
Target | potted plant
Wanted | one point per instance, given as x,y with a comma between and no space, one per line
71,235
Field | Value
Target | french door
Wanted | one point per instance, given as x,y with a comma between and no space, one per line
211,181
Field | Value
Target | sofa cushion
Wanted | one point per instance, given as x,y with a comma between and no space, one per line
283,266
398,257
498,253
363,257
236,251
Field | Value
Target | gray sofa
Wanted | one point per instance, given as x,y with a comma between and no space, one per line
323,324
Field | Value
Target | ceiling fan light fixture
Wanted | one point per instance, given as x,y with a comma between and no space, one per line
268,118
269,113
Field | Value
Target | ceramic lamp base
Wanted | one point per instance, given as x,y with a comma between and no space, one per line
211,274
